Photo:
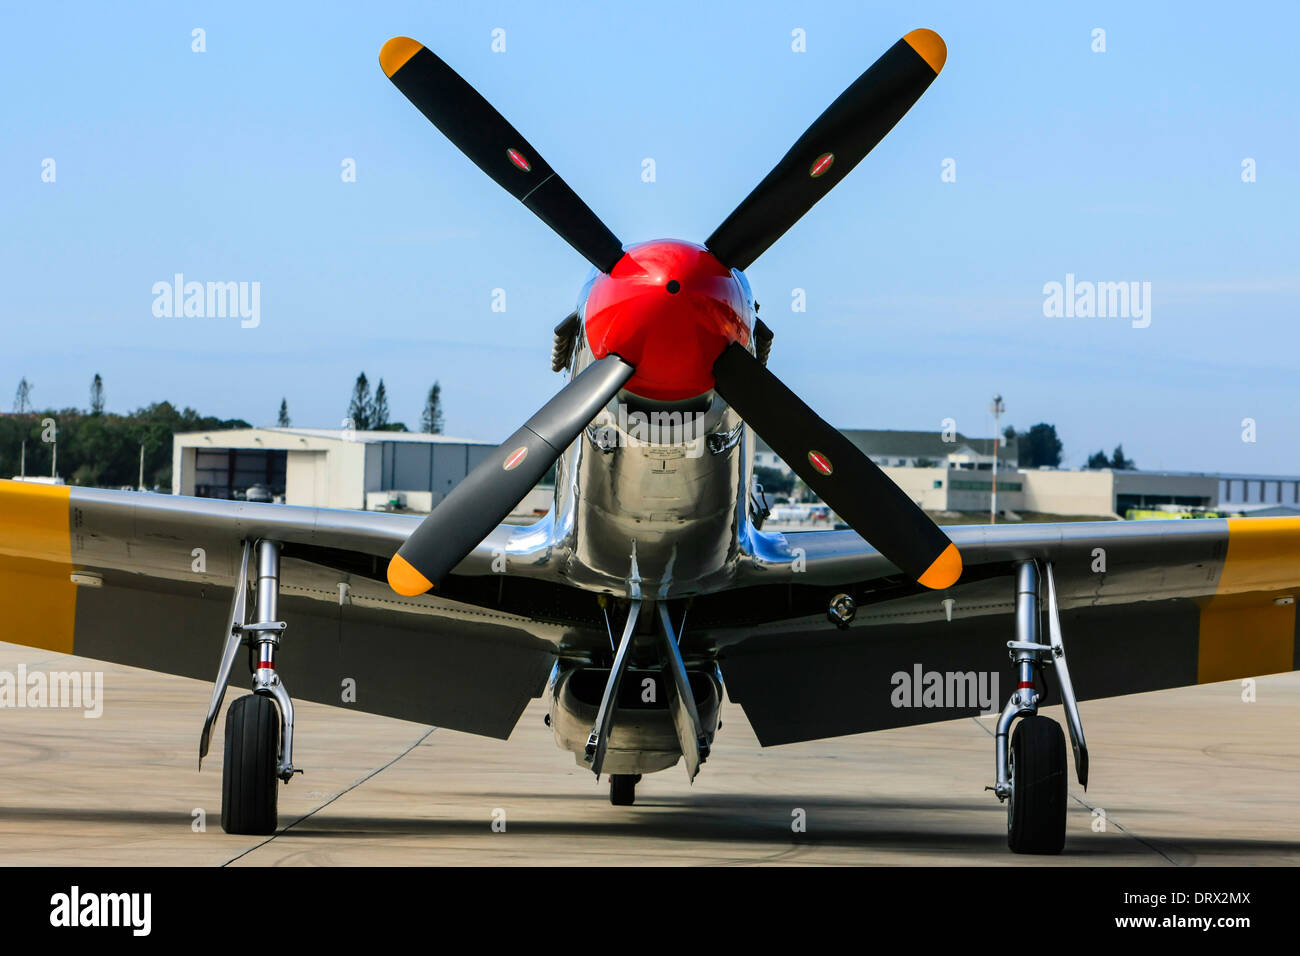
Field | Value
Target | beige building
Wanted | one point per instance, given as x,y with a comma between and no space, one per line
1093,494
949,472
331,468
1070,493
949,488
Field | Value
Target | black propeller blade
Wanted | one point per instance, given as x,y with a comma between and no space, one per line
496,147
488,494
848,130
836,471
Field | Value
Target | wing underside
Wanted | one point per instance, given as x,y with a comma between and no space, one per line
145,580
1145,606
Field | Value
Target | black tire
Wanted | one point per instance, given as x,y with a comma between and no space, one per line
1036,807
622,789
249,786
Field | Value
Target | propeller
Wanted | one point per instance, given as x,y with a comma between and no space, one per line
490,492
496,147
848,130
837,471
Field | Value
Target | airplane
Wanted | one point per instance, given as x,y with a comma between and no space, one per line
650,591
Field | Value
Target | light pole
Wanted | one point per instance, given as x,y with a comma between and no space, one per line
997,408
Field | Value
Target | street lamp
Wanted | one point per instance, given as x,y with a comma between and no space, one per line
997,408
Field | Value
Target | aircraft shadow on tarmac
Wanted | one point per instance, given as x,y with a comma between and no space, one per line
716,818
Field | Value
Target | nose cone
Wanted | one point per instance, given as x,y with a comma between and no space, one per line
669,308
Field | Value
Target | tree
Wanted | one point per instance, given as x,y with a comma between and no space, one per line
1098,460
23,397
1119,462
1038,446
431,418
97,395
774,480
103,450
362,406
283,419
379,410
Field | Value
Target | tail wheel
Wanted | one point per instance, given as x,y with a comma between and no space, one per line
1036,808
622,788
249,786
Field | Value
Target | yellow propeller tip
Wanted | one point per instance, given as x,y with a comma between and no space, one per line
396,52
404,579
943,573
927,43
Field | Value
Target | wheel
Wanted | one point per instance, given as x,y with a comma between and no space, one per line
622,789
249,787
1036,808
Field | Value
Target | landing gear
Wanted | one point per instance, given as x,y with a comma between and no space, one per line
622,788
1031,772
259,727
249,784
1036,806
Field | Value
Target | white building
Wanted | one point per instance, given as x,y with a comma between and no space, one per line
330,468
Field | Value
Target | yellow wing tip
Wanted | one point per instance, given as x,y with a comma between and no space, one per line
396,52
929,45
945,570
404,579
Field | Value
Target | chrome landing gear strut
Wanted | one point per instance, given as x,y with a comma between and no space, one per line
265,633
1031,771
259,726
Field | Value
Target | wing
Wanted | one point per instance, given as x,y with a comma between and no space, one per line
146,580
1145,605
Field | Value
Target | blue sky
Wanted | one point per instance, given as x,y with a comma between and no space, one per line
923,297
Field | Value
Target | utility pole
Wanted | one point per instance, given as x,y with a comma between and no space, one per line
997,409
22,461
141,485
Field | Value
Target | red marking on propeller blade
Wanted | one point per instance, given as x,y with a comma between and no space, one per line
820,462
821,164
517,158
516,456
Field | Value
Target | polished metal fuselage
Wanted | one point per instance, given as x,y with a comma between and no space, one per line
651,501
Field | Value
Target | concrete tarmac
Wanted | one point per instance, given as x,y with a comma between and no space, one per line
1181,777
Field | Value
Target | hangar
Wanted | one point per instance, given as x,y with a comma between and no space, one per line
323,467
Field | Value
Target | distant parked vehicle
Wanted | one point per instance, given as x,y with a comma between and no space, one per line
258,492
